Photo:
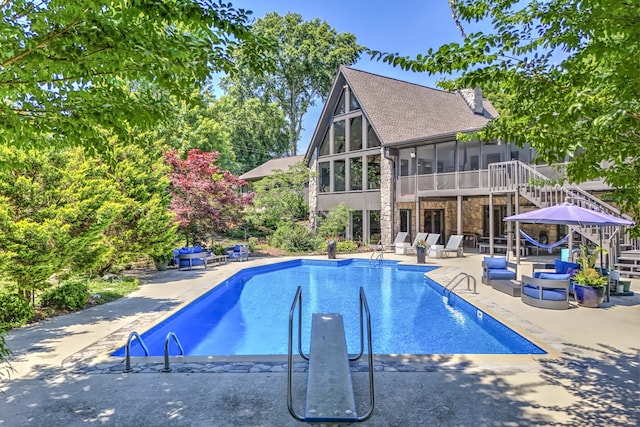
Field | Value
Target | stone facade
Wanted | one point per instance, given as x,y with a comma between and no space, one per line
386,200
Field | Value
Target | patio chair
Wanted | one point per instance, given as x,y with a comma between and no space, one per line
399,244
432,239
238,253
419,236
453,245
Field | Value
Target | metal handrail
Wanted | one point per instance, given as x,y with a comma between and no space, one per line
375,254
460,276
364,305
166,350
364,311
296,300
127,350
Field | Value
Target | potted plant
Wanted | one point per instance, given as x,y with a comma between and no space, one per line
421,250
589,284
162,261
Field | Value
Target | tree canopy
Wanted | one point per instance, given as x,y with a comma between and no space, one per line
306,58
66,67
205,197
564,76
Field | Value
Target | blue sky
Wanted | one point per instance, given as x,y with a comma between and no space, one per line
408,27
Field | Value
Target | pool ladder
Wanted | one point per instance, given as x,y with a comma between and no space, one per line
457,280
329,362
127,350
378,252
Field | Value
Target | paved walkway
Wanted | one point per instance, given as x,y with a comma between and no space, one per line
64,376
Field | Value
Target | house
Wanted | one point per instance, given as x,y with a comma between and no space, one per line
268,168
389,150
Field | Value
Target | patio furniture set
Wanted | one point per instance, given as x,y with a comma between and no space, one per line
192,256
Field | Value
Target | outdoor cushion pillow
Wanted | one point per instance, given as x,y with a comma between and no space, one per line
495,262
563,266
554,276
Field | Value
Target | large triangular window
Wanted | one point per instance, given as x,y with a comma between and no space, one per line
354,105
340,105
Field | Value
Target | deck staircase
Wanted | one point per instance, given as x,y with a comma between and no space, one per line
543,191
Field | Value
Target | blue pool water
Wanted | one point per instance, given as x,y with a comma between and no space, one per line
248,313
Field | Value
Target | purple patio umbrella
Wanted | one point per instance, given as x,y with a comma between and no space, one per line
570,214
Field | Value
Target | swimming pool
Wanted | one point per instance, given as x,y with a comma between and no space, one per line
248,313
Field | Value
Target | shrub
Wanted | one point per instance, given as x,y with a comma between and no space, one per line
15,310
346,246
219,249
70,296
294,238
253,243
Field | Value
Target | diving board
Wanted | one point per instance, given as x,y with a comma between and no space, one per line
330,398
329,388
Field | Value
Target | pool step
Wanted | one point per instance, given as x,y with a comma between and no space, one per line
329,388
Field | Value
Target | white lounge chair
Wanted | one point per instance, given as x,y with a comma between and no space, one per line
432,239
399,244
453,245
419,236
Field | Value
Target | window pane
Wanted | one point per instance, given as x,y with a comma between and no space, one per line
356,225
469,153
355,171
338,137
338,175
373,172
340,105
372,138
354,105
425,159
355,134
374,226
325,145
445,156
325,177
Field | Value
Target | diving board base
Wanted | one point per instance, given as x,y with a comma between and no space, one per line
330,396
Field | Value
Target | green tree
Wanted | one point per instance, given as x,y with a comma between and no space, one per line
335,222
280,197
52,211
304,63
197,125
564,78
257,130
66,67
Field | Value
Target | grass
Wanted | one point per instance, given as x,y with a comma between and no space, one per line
112,290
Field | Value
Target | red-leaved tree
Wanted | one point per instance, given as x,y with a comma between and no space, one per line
205,197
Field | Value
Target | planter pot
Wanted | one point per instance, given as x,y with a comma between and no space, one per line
161,265
626,284
420,253
587,296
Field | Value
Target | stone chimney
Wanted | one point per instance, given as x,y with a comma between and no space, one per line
473,98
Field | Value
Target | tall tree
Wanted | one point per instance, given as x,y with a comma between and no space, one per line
564,77
306,59
256,129
280,196
205,197
65,67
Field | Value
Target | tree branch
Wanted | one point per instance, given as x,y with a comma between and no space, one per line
43,43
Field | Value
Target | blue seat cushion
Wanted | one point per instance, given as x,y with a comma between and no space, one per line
501,274
554,276
492,263
547,294
564,266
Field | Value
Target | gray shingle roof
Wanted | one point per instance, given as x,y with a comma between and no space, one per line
401,111
268,167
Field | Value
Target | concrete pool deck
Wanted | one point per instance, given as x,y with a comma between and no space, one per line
590,377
